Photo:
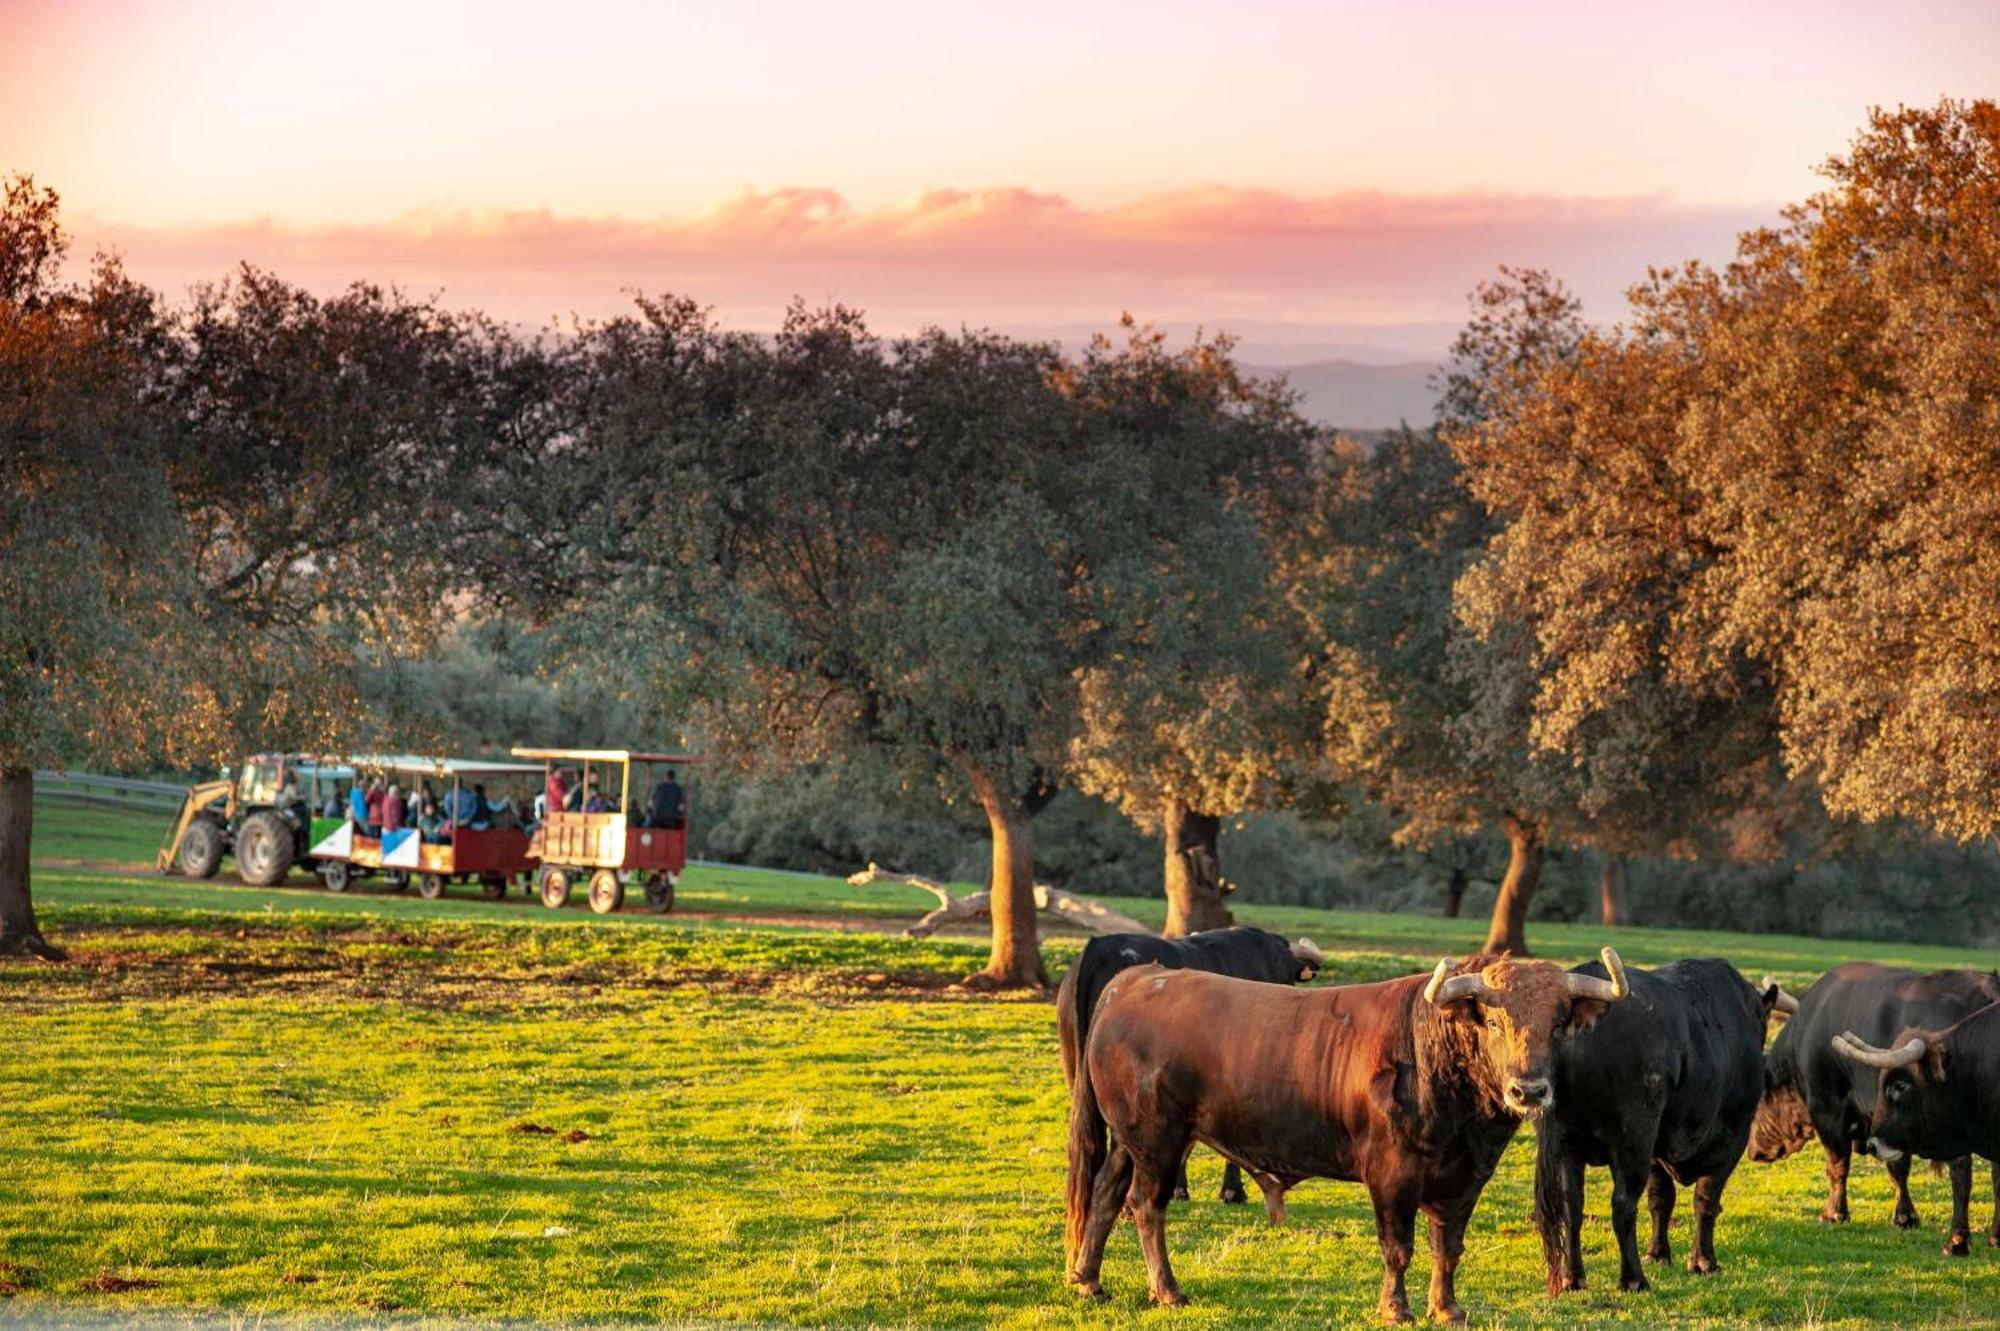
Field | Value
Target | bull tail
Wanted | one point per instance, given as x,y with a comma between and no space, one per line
1069,1026
1089,1147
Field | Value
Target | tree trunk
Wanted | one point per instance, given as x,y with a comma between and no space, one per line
1193,872
1017,955
1454,892
1508,932
19,934
1611,891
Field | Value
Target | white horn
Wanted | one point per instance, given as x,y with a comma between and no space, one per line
1604,991
1440,991
1308,951
1785,1003
1858,1049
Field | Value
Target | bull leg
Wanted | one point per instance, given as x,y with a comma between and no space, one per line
1958,1243
1905,1216
1837,1154
1660,1197
1629,1171
1107,1203
1232,1184
1180,1180
1150,1193
1396,1228
1993,1230
1558,1209
1447,1231
1707,1207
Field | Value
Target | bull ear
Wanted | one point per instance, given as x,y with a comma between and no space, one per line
1584,1012
1936,1060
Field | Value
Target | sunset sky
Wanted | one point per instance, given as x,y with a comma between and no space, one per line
1325,178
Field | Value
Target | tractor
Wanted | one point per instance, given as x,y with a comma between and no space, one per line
243,816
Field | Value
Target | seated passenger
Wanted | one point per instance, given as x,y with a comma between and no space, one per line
669,804
430,826
393,810
573,796
357,808
462,809
335,806
376,794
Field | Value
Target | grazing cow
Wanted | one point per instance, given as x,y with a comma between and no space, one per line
1245,952
1812,1090
1662,1089
1413,1087
1938,1096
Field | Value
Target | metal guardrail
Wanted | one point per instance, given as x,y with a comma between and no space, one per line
115,789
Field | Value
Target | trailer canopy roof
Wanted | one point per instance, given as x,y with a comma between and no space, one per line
605,756
416,762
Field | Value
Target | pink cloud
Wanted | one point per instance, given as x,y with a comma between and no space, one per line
1013,258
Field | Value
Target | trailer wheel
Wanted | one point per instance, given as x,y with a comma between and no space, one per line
396,880
660,892
493,886
336,875
555,887
606,892
201,849
263,849
431,886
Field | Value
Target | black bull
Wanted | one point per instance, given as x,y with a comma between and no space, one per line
1811,1089
1243,951
1662,1089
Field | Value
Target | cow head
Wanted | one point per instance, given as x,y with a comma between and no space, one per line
1909,1111
1306,960
1518,1011
1782,1125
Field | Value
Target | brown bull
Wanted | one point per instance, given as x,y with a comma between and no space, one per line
1413,1087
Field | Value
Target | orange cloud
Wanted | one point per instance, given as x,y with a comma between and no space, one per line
1324,268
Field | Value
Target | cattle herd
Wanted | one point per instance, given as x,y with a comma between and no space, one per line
1413,1087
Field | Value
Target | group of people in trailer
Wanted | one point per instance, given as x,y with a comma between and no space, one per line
574,793
378,806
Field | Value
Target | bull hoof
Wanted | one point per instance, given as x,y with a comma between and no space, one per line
1832,1217
1905,1220
1234,1196
1180,1192
1087,1289
1560,1284
1702,1266
1396,1314
1169,1298
1450,1315
1958,1245
1634,1284
1660,1254
1993,1238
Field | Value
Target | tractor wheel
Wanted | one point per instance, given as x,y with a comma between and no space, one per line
336,875
431,886
555,887
201,849
660,892
606,892
263,849
492,886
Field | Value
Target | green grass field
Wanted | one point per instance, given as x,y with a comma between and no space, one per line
283,1105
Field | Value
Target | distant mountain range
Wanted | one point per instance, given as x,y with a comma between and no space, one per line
1352,395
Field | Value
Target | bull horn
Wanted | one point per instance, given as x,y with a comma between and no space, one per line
1858,1049
1440,990
1307,951
1785,1003
1604,991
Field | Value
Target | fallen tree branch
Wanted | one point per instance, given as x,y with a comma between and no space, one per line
1063,905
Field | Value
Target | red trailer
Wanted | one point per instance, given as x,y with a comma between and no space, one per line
591,830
